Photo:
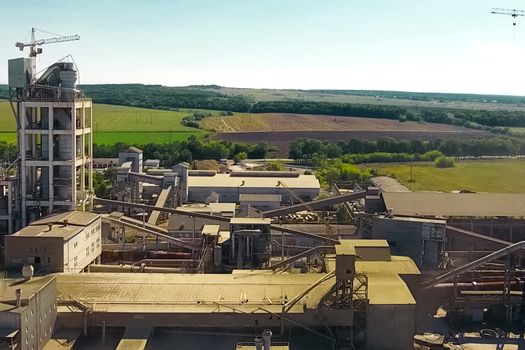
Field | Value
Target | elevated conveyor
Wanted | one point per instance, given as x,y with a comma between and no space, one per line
316,204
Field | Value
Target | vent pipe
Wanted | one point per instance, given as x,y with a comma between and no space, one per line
259,343
18,294
267,337
50,227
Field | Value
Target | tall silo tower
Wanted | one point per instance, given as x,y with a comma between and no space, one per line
55,141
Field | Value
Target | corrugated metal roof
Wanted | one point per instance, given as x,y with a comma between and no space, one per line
225,180
435,204
388,184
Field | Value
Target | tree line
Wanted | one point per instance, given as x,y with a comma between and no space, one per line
186,151
307,149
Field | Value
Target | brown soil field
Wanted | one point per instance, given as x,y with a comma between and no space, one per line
249,122
282,139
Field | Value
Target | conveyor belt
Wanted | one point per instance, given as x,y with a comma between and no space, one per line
161,200
317,204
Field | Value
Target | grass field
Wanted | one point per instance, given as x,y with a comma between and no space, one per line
500,176
317,96
249,122
121,124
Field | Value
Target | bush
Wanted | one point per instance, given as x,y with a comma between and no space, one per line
239,157
445,162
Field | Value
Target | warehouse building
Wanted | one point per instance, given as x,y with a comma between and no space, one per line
202,184
66,242
501,216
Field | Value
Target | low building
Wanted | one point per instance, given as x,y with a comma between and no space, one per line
261,202
104,163
152,163
66,242
229,187
28,311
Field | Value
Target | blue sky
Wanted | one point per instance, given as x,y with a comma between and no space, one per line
412,45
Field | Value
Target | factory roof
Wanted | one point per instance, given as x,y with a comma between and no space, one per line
259,197
388,184
436,204
225,180
198,293
65,225
28,289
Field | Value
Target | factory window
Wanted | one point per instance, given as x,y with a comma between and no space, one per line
31,313
27,341
30,250
98,227
75,245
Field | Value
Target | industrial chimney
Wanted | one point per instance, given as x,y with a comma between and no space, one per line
18,294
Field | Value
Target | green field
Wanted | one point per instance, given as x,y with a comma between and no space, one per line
499,176
114,124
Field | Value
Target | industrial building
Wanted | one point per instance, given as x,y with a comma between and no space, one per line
362,292
28,311
66,242
229,187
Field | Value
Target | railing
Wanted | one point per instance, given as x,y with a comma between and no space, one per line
44,93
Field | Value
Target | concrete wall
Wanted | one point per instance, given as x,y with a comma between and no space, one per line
231,194
83,248
390,327
42,252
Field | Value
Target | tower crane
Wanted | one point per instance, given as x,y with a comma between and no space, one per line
34,50
509,12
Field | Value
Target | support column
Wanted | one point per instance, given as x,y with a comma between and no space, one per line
23,169
51,157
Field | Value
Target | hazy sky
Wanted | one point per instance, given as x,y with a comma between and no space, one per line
415,45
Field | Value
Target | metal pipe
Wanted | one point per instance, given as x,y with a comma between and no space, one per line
267,338
259,343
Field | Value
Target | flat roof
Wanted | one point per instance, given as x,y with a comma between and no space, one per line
211,230
65,225
257,221
77,218
192,293
388,289
259,197
28,288
436,204
225,180
208,208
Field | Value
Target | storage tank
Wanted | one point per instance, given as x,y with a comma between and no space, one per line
68,76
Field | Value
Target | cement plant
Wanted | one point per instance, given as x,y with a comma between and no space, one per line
183,258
